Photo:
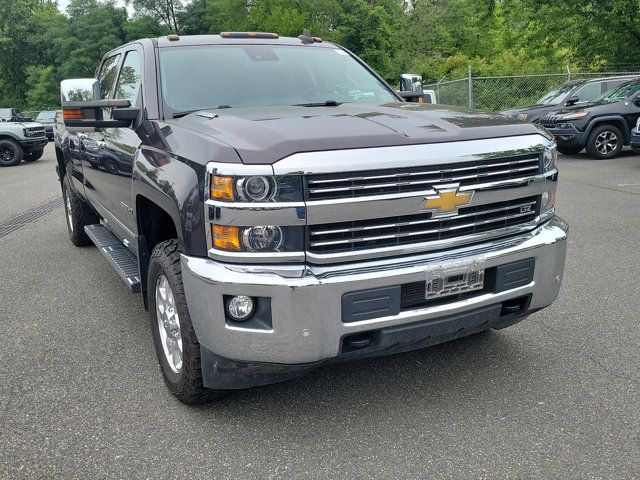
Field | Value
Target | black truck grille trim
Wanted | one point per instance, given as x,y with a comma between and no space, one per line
421,228
548,121
416,179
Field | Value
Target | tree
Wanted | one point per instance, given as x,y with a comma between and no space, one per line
167,11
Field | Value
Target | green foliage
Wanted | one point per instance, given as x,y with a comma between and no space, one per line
436,38
44,87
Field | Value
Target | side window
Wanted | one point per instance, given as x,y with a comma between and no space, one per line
589,92
130,79
107,76
606,86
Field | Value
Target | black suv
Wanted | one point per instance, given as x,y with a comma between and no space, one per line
576,92
602,127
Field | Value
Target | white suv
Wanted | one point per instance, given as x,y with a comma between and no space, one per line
19,139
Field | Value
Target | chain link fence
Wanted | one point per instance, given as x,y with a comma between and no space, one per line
500,93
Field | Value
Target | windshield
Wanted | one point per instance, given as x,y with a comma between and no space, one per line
46,115
620,93
213,76
555,97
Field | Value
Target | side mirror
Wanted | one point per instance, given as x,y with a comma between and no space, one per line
411,96
82,108
410,82
572,100
636,101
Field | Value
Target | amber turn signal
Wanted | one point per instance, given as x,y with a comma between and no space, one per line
221,188
73,115
226,238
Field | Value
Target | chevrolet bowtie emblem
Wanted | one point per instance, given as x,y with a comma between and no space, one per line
447,201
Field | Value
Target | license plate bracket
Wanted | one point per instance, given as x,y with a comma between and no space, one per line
454,278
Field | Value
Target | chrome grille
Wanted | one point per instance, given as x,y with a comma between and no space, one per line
400,180
413,229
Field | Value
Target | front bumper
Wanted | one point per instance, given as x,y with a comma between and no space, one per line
569,137
305,303
36,143
634,140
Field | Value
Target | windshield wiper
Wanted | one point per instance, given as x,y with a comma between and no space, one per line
187,112
326,103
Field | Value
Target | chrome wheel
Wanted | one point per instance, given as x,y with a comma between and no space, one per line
168,324
69,214
606,142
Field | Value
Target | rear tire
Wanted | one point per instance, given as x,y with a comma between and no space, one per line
11,153
605,141
569,150
78,215
174,339
33,155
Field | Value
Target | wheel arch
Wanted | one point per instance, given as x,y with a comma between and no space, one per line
614,120
10,136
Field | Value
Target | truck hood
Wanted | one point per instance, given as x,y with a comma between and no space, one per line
23,124
264,135
592,108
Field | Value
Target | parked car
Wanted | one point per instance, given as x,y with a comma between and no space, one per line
634,140
283,208
21,141
47,118
602,127
576,92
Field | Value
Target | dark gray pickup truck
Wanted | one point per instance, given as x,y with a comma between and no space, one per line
280,207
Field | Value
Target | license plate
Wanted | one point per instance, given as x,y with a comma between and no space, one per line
454,278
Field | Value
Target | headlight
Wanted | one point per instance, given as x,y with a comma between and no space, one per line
548,200
549,159
256,188
572,116
262,238
549,163
522,117
257,239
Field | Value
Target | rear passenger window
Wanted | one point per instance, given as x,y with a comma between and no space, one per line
589,92
107,76
130,79
608,85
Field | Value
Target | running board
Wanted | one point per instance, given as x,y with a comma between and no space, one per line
120,257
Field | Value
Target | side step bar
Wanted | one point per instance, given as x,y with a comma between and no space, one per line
120,257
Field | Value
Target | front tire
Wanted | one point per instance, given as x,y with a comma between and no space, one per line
33,155
174,339
605,141
78,215
11,153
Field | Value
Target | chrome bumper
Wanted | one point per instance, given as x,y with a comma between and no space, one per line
306,300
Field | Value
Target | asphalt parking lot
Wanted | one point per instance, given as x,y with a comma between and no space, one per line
556,396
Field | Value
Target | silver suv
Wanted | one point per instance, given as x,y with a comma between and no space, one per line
19,139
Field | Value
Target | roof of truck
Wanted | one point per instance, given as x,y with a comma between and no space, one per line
189,40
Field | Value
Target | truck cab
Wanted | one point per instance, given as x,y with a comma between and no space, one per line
292,209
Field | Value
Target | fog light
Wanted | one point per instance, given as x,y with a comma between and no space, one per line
240,308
